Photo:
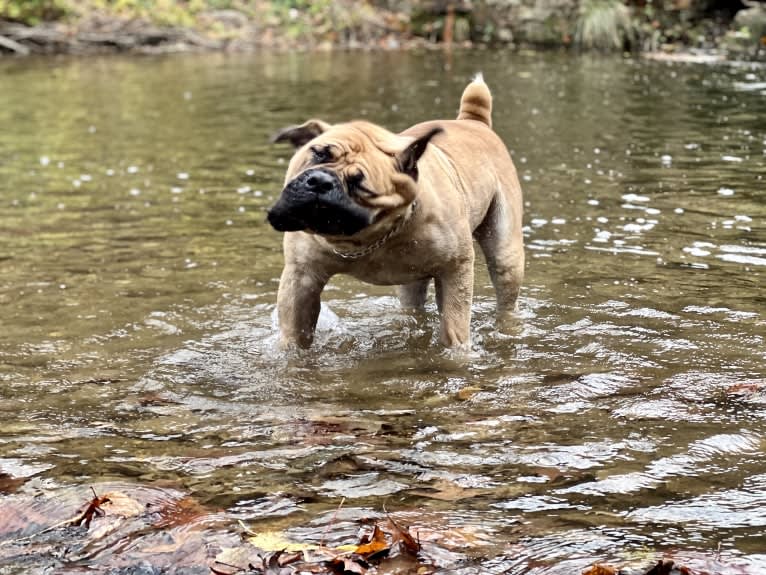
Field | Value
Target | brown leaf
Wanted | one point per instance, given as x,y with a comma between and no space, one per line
272,565
154,399
663,567
376,543
466,393
402,535
93,509
600,569
346,565
748,390
9,483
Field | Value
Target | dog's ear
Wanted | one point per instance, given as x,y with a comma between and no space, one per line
408,159
300,135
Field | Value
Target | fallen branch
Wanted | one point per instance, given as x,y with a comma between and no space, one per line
13,46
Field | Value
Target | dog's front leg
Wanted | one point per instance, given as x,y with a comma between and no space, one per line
454,294
298,304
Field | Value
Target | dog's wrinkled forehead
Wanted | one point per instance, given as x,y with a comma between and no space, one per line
345,146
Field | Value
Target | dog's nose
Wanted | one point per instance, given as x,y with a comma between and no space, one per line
320,182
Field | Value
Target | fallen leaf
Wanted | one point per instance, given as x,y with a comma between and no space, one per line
154,399
233,559
466,393
748,390
92,510
274,564
552,473
402,535
600,569
376,543
345,565
667,567
9,483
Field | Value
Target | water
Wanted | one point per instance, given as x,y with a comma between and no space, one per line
625,420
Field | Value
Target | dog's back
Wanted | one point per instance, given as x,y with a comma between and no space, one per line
474,153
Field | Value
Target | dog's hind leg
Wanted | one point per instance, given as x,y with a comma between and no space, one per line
413,295
501,240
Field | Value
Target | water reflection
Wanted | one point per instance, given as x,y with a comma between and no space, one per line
138,281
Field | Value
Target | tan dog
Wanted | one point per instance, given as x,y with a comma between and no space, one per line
399,209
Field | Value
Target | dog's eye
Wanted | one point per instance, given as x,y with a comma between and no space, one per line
321,155
354,180
355,185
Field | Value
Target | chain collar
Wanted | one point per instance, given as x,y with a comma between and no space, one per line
403,219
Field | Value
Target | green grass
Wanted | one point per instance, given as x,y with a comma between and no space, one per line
604,25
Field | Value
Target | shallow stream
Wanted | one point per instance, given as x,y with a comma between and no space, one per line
625,420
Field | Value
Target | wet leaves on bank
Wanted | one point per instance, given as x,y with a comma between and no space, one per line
389,547
118,526
161,527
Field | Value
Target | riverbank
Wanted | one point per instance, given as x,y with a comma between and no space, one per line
90,26
260,25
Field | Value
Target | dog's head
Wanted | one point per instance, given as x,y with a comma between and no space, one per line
346,177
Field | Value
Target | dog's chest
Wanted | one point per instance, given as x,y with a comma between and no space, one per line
393,267
402,273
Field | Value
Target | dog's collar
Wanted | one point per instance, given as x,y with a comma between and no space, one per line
398,225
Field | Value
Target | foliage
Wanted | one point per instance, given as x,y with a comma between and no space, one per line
604,25
33,11
166,12
319,20
651,25
659,25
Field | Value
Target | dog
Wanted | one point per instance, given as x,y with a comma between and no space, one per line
399,209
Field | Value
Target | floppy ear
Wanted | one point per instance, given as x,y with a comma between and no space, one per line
300,135
408,159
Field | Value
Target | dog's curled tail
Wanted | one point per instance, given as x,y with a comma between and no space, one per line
476,102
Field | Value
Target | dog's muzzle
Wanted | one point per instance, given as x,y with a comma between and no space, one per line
316,200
